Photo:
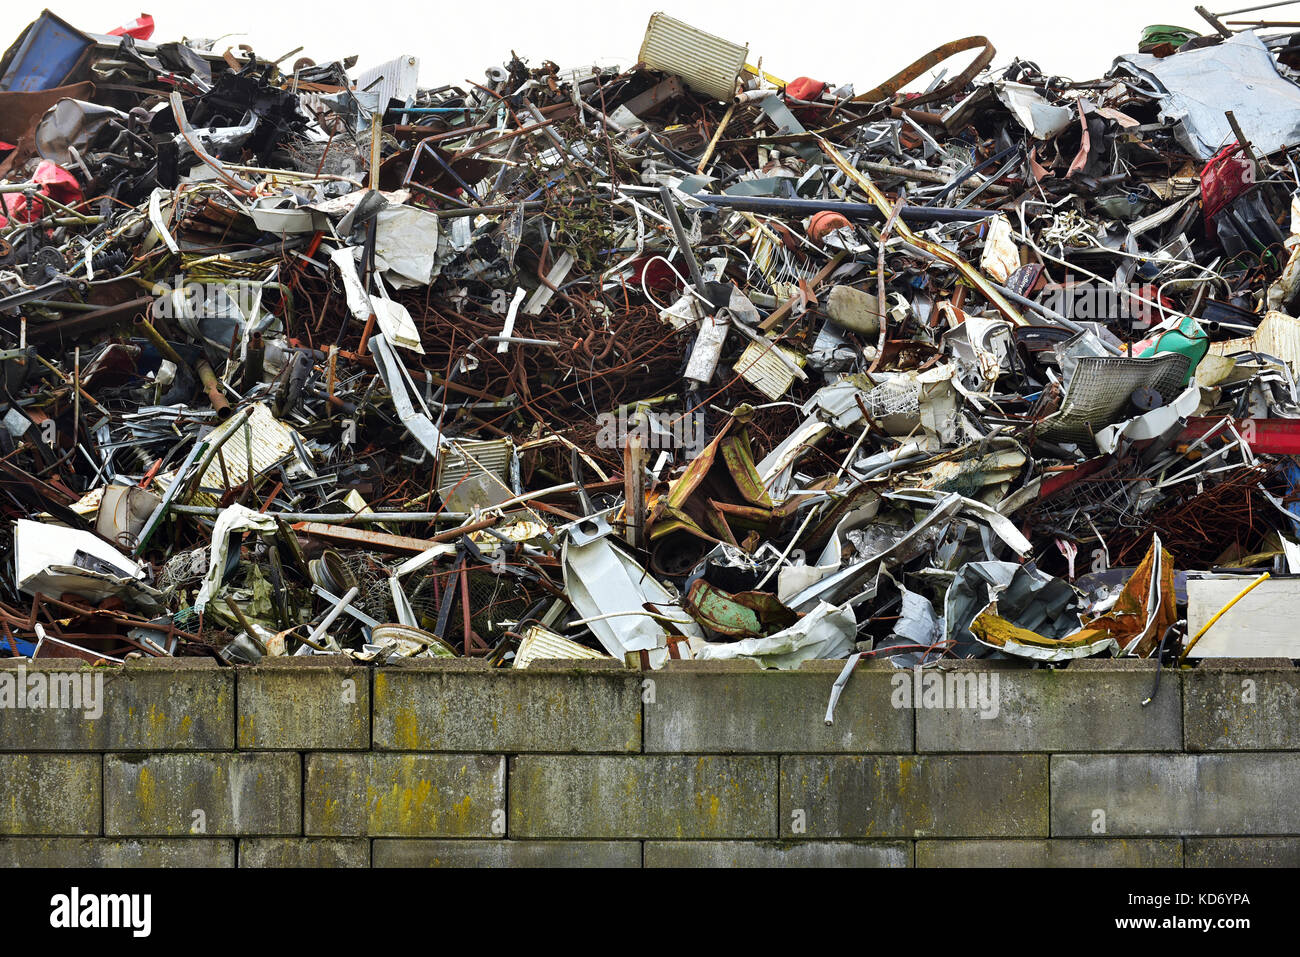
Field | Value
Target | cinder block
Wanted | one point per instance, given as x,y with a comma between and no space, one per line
778,854
1058,852
643,796
502,710
724,711
1249,793
191,794
1243,851
117,852
304,703
957,795
396,853
50,794
1227,709
405,795
303,852
1078,709
176,704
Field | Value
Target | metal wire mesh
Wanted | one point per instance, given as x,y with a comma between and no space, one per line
1105,499
371,572
893,398
183,570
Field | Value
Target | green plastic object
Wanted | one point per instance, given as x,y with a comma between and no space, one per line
1158,33
1187,338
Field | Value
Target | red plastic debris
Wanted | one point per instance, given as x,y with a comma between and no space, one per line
141,28
804,88
54,181
1225,177
827,221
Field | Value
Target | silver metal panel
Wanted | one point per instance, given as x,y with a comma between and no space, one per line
706,63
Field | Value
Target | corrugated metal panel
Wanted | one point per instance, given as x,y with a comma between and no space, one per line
1278,335
477,456
538,643
272,443
760,367
706,63
399,81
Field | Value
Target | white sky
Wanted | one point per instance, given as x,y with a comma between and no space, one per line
862,41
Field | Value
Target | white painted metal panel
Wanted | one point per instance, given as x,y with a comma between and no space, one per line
1264,624
398,79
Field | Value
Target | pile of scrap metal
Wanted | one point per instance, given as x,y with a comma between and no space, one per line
678,361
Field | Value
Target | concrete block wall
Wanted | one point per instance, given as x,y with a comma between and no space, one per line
449,763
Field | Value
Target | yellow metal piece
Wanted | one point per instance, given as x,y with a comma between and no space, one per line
764,75
976,278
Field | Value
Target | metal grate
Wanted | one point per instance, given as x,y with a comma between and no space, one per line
1099,392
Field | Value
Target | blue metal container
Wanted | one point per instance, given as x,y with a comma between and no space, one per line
48,51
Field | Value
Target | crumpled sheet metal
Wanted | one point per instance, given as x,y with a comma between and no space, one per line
1153,424
1141,613
857,580
827,631
627,610
1042,119
416,420
1024,594
71,123
1197,87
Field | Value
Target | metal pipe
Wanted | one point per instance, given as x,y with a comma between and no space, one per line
361,518
253,363
859,211
337,518
683,241
213,388
161,344
335,612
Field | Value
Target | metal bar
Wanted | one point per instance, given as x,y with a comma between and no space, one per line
1262,6
853,211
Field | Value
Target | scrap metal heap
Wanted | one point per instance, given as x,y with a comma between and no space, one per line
677,361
